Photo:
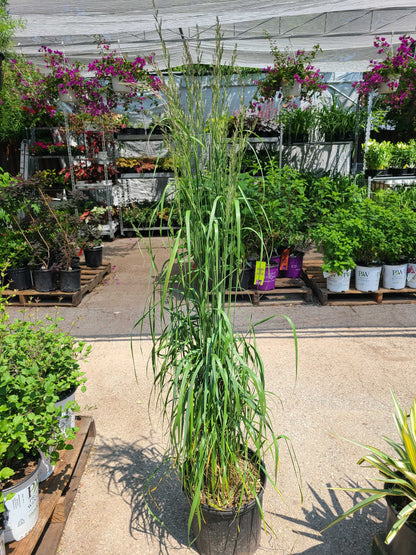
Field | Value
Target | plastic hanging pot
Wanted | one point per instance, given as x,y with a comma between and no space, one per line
70,280
94,256
19,278
230,532
44,280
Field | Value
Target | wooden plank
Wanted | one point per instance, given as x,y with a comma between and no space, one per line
90,278
65,478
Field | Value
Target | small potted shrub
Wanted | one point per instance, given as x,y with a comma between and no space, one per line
17,253
334,239
90,237
37,364
377,156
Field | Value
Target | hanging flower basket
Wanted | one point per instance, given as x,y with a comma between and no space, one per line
291,90
390,86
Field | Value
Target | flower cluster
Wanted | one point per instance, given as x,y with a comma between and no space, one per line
397,70
91,86
40,148
288,69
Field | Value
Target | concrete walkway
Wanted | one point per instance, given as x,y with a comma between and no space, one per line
349,358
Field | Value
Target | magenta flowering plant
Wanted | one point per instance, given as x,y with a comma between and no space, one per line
397,70
287,70
40,91
132,73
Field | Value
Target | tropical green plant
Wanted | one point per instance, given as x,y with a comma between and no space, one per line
208,379
397,472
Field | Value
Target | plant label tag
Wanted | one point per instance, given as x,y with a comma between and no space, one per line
284,259
259,272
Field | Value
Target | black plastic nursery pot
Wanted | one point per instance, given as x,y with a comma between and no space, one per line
44,280
70,280
94,256
19,278
229,531
405,541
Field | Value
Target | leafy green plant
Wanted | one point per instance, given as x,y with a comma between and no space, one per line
377,155
397,471
208,379
37,363
14,248
337,244
367,225
298,122
335,121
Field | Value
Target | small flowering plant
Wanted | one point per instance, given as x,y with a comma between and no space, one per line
397,70
288,69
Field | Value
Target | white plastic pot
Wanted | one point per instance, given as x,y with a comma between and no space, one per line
67,419
292,90
338,282
411,275
22,510
394,276
367,278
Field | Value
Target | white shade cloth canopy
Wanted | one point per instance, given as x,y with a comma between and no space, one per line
345,29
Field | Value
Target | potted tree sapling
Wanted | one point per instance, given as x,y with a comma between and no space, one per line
90,236
208,378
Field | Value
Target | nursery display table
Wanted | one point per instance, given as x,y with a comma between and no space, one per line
57,494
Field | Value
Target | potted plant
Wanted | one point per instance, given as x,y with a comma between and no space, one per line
90,236
336,122
298,122
333,237
34,369
15,251
377,156
292,74
399,228
397,471
368,225
208,378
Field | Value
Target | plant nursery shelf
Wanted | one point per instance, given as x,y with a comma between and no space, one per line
90,278
314,277
57,494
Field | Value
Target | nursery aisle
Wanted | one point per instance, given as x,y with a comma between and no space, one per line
349,357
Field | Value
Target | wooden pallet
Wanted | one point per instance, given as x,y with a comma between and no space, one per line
57,494
313,276
286,291
90,278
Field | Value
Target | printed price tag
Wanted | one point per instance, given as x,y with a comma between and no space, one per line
284,259
259,273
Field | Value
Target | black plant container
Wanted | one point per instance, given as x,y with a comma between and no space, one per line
228,532
44,280
70,280
94,256
19,278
